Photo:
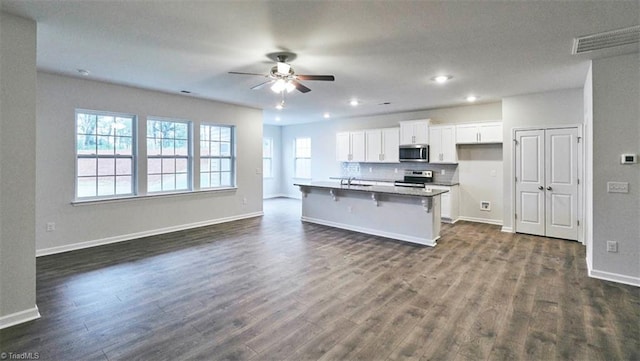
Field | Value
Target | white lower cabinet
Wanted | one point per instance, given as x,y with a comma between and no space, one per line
449,203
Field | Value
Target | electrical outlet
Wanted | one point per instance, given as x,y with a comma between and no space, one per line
349,209
443,172
617,187
395,170
485,206
51,226
244,200
493,173
612,246
370,169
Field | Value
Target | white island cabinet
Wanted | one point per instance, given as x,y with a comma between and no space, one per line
401,213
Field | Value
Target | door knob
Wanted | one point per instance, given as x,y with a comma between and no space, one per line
540,187
548,188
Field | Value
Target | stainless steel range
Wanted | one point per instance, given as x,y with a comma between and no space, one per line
415,178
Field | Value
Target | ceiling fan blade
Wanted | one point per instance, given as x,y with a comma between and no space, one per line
316,77
241,73
261,85
300,87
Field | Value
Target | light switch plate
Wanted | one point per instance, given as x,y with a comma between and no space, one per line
618,187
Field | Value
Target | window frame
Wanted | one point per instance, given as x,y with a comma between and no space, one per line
232,157
296,158
133,157
270,158
189,157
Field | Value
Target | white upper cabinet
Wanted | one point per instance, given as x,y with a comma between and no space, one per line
391,145
414,132
442,147
350,146
479,133
382,145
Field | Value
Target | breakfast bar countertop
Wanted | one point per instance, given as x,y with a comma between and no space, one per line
366,179
404,191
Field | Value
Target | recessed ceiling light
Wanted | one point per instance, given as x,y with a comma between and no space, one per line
354,102
440,79
471,98
83,72
326,115
279,106
277,119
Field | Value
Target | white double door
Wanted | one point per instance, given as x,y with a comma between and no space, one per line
547,182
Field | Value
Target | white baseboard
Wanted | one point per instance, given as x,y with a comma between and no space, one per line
507,229
19,317
130,236
481,220
279,195
375,232
613,277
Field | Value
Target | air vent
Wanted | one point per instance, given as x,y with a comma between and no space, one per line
608,39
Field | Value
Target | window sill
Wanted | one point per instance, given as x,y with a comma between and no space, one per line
151,196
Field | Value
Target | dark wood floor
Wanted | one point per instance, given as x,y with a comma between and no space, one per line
273,288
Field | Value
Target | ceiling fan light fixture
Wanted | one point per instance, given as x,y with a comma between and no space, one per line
289,86
283,68
278,86
326,115
471,98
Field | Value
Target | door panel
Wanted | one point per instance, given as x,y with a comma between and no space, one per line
530,178
561,151
530,210
547,182
560,210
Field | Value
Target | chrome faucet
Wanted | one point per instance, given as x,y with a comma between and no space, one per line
348,181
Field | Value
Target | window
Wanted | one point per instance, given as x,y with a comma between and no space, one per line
105,153
267,157
302,151
217,161
168,155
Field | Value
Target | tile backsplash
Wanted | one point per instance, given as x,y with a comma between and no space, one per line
395,171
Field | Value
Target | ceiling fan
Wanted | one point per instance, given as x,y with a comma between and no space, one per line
283,77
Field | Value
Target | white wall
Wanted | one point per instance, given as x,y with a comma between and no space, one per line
480,176
616,130
474,158
17,170
272,186
561,107
85,225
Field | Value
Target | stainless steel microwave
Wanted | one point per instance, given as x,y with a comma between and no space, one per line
414,153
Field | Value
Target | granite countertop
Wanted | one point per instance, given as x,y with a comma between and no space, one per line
405,191
365,179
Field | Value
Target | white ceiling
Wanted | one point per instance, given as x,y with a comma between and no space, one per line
379,51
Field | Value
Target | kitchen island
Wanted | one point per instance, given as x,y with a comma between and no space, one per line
402,213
